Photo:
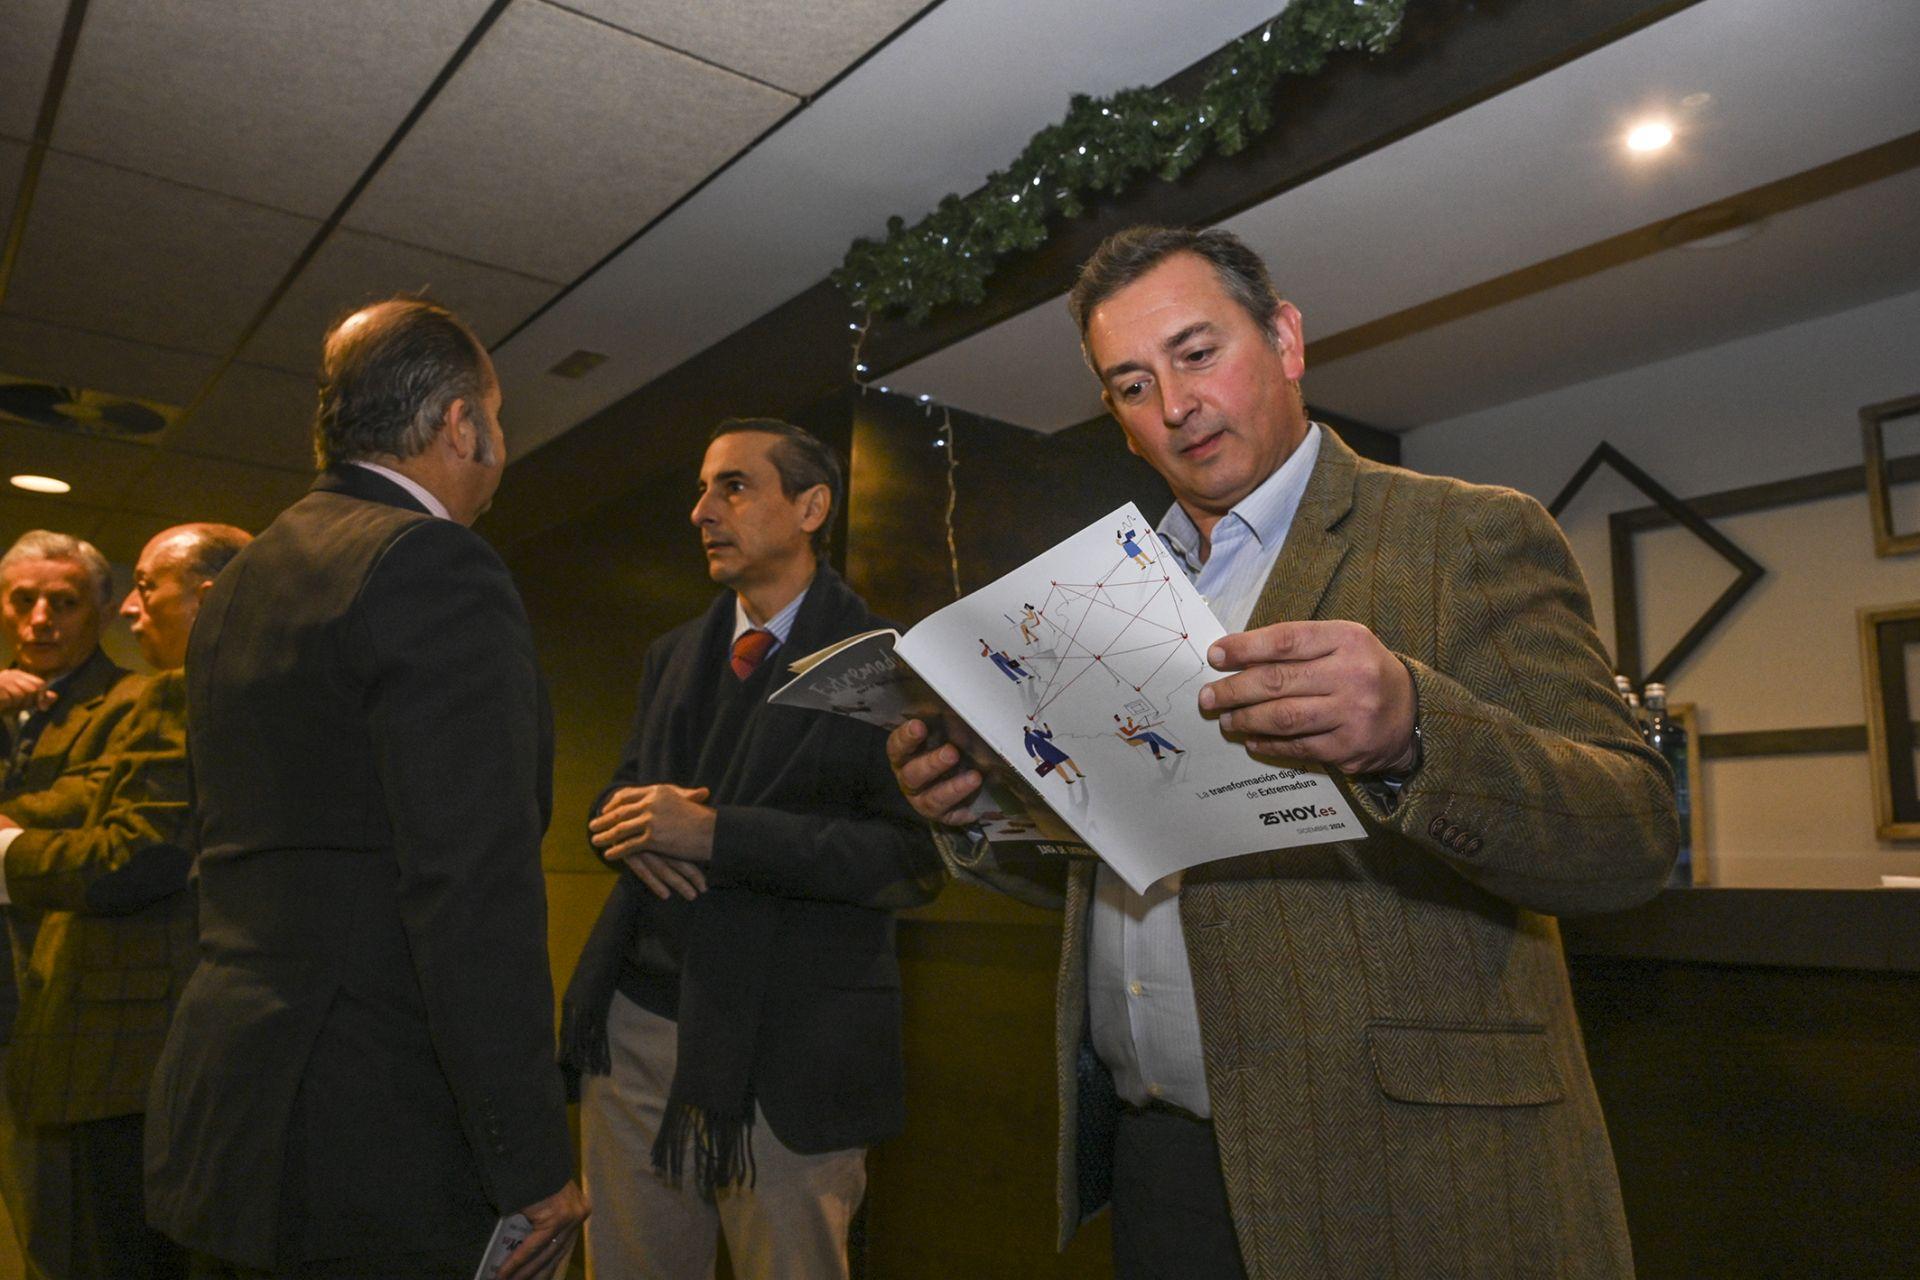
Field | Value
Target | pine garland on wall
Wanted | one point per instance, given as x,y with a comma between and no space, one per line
1103,146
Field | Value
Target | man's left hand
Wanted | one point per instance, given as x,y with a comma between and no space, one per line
661,818
1324,691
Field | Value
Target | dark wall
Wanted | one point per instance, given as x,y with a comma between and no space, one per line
1764,1119
1018,493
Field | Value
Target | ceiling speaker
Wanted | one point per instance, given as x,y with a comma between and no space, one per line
75,409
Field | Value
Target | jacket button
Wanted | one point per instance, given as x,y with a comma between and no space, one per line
1438,827
1473,845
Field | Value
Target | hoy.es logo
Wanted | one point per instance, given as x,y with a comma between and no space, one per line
1300,813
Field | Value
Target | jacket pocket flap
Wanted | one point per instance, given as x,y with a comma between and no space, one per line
109,985
1464,1065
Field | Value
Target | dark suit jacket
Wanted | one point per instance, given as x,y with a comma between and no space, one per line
808,814
55,784
115,935
362,1062
1396,1073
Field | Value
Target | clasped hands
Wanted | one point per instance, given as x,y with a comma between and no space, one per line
1329,692
662,832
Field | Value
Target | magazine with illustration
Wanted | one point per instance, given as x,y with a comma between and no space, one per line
1082,670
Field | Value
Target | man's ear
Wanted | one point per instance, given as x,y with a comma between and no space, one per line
1289,338
818,506
458,429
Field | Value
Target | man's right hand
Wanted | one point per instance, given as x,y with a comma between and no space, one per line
24,691
938,781
556,1221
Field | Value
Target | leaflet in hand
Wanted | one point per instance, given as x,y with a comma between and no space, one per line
508,1235
1082,670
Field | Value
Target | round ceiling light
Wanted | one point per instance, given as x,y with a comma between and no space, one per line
1650,136
41,484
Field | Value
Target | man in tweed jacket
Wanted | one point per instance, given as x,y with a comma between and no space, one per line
1357,1059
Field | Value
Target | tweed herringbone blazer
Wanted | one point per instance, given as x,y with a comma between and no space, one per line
115,938
1396,1074
55,783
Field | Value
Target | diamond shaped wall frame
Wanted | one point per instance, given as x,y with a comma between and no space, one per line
1626,593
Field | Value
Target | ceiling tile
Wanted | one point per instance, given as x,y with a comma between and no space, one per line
283,104
253,415
123,254
182,487
26,55
559,138
353,268
100,470
76,358
796,44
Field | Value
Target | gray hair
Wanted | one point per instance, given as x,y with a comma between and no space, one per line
388,375
45,544
1125,256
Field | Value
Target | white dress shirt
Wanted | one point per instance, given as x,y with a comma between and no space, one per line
412,486
1146,1027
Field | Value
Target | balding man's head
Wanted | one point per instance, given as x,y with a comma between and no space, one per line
175,570
389,373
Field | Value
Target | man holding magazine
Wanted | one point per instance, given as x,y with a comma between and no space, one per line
1356,1058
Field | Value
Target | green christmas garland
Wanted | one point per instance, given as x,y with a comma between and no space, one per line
1103,146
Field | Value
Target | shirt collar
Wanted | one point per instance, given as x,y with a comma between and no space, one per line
412,486
1266,513
781,623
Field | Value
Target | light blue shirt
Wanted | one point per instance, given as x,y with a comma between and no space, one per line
1146,1027
781,623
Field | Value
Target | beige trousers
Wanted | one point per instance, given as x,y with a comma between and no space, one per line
790,1225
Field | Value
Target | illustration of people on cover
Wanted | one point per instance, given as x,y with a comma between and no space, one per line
1040,747
1129,544
1009,666
1029,625
1144,735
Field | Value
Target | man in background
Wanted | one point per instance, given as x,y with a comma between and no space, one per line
60,702
1357,1059
359,1080
106,889
736,1011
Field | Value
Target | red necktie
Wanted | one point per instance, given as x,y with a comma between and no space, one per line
750,649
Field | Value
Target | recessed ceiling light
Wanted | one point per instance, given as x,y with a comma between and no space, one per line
1650,136
41,484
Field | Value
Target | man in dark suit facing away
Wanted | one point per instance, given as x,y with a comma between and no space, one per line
359,1080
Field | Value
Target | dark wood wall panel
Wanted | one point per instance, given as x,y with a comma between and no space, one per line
968,1190
1019,493
1763,1119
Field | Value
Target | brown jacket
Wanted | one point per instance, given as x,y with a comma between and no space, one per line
1396,1073
106,886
